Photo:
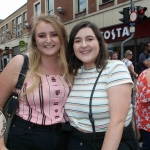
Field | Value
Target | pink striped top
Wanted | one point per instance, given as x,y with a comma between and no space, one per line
45,105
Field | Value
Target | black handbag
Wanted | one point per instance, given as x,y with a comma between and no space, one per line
12,103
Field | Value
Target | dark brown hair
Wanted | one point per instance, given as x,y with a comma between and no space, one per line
73,62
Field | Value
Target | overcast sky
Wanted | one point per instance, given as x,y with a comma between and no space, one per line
7,7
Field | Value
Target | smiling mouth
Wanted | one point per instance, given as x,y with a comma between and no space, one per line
49,46
85,52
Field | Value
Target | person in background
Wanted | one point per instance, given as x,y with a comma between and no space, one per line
144,58
37,123
111,108
114,56
142,107
128,63
110,51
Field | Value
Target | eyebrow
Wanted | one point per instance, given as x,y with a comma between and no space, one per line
85,37
44,32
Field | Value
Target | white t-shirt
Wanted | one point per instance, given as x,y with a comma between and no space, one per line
127,62
77,104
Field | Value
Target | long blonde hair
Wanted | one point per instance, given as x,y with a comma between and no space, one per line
35,54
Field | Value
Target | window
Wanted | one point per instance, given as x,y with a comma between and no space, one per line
81,6
50,6
3,34
7,31
37,9
25,18
6,26
105,1
14,26
19,26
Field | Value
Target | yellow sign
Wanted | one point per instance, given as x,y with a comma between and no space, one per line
22,43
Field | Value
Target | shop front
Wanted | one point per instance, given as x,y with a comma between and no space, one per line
9,52
115,35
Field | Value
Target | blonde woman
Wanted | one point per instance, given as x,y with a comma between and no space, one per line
38,120
128,63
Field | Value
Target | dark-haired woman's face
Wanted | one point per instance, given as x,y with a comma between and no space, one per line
86,47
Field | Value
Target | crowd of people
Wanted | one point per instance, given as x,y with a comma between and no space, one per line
58,108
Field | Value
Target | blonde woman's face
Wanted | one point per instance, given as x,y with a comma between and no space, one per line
130,55
47,39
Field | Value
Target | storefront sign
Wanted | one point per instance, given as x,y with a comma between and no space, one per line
22,48
122,32
22,43
116,33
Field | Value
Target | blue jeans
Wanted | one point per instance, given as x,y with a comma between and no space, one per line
146,139
25,135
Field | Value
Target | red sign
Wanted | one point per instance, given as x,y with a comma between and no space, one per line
121,32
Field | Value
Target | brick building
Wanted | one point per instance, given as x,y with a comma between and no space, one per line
104,13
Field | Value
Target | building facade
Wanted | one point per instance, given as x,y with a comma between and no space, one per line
15,29
13,32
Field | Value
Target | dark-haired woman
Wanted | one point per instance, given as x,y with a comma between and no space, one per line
111,107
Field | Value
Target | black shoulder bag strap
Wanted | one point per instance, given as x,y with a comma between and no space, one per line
24,69
23,72
12,103
90,108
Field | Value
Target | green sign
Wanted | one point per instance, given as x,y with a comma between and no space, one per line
22,43
22,48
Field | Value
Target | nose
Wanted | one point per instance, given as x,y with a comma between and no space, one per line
48,39
83,44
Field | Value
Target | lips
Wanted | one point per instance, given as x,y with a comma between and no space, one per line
49,46
85,52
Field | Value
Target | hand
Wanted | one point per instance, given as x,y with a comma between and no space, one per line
136,76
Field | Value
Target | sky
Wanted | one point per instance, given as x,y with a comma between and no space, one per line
7,7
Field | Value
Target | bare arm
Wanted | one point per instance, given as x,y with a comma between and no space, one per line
131,69
8,80
148,76
119,103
